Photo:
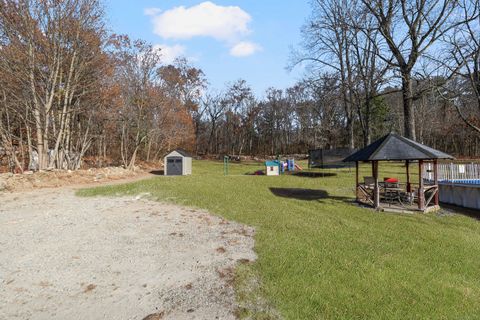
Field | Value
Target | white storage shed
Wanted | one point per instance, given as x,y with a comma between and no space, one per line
178,163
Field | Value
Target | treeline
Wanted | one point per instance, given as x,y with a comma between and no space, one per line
311,115
373,66
425,52
70,91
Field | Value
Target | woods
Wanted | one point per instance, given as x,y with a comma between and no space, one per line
72,91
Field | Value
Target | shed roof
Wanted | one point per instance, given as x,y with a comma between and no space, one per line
182,152
395,147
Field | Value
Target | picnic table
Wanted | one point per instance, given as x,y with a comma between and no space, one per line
396,192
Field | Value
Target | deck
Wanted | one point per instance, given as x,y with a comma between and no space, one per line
399,198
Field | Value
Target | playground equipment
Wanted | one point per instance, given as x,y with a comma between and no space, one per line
277,167
273,168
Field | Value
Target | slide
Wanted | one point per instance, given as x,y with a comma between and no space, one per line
298,167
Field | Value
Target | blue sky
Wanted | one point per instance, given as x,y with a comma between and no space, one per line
248,39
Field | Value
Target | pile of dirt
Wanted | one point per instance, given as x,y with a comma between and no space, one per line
57,178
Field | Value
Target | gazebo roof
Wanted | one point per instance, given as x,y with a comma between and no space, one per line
395,147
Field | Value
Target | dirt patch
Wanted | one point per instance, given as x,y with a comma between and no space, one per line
64,257
155,316
89,288
57,178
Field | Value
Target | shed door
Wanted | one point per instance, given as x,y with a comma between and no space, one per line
174,166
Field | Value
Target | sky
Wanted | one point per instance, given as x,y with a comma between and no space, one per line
227,39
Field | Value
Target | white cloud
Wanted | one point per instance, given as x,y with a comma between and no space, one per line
225,23
170,53
228,24
152,11
244,49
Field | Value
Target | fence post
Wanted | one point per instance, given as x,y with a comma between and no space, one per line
376,190
451,173
356,180
435,178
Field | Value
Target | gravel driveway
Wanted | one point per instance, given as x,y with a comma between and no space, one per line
64,257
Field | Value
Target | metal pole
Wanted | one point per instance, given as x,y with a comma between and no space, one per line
376,190
225,165
435,178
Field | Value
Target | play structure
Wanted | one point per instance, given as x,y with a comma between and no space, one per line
277,167
272,167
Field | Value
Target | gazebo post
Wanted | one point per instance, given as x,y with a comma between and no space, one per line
356,180
435,179
421,194
407,165
376,190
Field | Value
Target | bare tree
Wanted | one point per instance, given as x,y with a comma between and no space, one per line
462,61
186,84
370,71
328,42
215,106
240,106
137,69
410,28
53,50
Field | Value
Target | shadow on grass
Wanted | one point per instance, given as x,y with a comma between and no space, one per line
157,172
334,166
306,174
306,194
448,209
256,173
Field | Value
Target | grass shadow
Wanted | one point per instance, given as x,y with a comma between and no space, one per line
306,194
256,173
334,166
309,174
449,209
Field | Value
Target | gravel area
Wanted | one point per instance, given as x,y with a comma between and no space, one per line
65,257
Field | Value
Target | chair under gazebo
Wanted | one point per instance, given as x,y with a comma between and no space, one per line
391,194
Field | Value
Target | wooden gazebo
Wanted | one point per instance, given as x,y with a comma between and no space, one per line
391,194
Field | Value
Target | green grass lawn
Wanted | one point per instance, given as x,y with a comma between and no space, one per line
322,257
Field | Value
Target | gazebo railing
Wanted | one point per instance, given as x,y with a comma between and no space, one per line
399,194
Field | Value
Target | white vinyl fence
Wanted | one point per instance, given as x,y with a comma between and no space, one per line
453,171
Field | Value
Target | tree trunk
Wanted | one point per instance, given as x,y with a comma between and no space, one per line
367,137
408,114
351,135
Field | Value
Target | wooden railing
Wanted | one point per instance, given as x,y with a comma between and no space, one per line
421,199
